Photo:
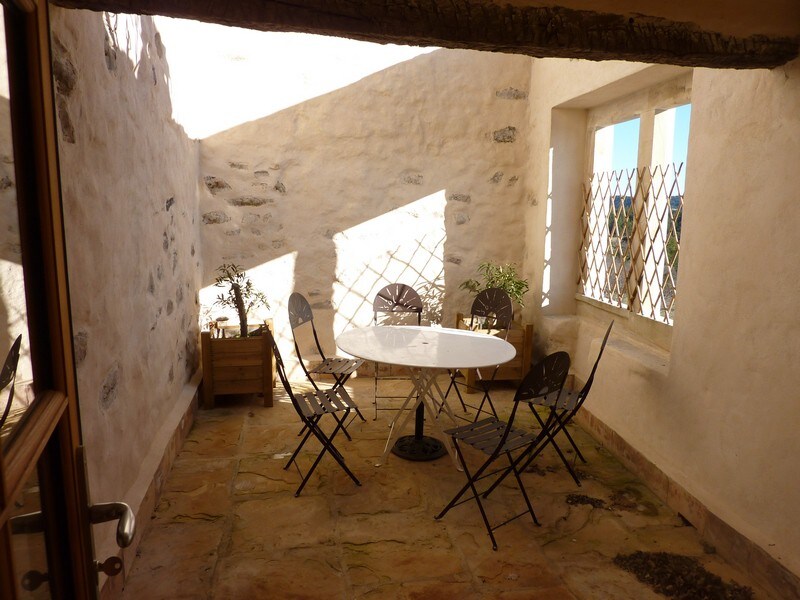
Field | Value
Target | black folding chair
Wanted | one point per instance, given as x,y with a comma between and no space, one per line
311,407
562,410
8,375
492,311
394,304
300,315
496,438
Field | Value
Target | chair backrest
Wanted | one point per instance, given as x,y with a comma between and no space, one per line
300,313
545,378
588,385
8,375
494,307
299,310
397,298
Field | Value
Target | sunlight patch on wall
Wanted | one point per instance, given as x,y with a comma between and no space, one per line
548,235
223,76
405,245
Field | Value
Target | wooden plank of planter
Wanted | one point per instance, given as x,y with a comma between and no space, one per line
237,366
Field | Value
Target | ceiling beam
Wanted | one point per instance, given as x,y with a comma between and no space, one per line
481,25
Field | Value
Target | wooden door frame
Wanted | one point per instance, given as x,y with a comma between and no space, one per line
49,436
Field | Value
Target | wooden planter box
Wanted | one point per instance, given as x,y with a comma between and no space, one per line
521,337
237,366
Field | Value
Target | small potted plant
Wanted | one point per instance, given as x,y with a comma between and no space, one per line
243,364
499,276
240,294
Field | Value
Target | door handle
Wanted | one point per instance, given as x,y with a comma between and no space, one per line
98,513
119,511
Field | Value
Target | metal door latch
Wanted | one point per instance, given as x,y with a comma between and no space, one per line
110,511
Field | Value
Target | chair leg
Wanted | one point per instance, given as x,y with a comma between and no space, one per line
307,431
327,446
522,489
563,427
454,385
486,398
470,485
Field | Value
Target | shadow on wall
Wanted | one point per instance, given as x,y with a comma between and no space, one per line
397,177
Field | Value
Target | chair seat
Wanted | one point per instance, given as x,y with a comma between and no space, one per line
486,434
336,365
565,401
323,402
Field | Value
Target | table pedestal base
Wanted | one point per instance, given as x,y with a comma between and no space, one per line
420,449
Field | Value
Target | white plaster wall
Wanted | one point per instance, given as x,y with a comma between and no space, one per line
130,200
413,174
717,411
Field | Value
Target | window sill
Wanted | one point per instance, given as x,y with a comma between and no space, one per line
639,328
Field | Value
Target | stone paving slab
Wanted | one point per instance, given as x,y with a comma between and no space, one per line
228,524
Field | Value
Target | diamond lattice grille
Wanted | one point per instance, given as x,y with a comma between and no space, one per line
631,226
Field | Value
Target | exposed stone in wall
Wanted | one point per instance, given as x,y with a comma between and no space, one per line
412,178
465,198
506,135
80,342
249,201
215,217
511,93
108,392
214,184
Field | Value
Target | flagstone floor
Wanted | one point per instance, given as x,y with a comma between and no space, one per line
228,525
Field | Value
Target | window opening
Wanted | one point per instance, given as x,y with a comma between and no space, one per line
632,214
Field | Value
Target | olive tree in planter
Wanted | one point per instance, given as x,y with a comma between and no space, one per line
243,364
520,335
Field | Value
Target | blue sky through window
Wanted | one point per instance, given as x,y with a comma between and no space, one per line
626,145
626,142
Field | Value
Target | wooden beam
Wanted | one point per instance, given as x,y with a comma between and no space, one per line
531,30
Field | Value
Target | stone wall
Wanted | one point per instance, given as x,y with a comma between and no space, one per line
130,199
413,174
713,408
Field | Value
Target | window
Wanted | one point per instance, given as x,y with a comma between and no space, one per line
632,212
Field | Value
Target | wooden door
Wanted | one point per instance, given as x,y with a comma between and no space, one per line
45,542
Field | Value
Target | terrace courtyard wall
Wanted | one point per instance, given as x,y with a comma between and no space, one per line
129,187
414,174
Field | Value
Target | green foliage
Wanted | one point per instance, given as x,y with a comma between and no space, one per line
240,296
498,276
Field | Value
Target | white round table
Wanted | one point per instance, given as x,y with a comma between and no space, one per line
424,350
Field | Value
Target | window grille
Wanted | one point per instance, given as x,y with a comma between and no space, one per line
631,226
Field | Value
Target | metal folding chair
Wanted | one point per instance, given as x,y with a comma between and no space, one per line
561,410
492,311
300,317
496,439
311,407
394,304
